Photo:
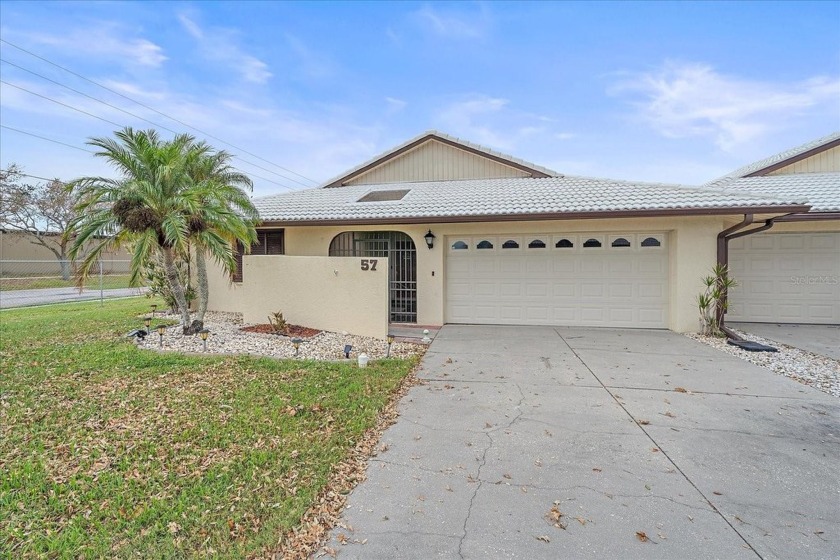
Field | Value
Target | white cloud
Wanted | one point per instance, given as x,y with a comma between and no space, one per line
219,45
684,100
395,105
101,40
451,24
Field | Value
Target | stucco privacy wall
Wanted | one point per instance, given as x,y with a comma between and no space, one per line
691,241
327,293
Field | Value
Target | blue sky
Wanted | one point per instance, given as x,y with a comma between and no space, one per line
670,92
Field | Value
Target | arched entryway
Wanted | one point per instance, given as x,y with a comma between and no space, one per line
399,249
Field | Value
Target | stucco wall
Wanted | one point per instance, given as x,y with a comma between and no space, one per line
327,293
17,246
692,250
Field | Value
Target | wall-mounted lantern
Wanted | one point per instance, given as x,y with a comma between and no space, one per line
430,239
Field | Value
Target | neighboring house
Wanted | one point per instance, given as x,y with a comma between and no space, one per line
22,255
790,272
514,243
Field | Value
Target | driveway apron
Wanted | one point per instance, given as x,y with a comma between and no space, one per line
540,442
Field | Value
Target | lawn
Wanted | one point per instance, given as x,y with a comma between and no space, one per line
109,281
109,451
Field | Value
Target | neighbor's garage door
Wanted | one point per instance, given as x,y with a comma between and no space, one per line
786,278
578,280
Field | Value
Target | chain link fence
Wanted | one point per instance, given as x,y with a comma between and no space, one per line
38,282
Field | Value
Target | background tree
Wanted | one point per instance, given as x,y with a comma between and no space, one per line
42,212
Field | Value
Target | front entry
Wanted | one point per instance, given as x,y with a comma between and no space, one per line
399,249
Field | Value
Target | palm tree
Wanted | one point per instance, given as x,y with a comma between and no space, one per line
150,206
225,219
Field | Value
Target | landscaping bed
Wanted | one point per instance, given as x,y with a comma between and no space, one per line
107,450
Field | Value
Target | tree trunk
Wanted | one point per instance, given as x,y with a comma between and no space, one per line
177,288
201,286
65,267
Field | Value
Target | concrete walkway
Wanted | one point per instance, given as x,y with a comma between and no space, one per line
44,296
531,442
819,339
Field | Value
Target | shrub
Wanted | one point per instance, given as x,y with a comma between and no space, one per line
712,303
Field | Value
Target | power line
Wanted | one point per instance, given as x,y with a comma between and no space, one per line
60,103
117,124
135,116
45,138
165,115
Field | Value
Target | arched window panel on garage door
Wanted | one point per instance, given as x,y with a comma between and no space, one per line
485,244
538,243
593,242
621,241
565,242
459,245
511,243
651,241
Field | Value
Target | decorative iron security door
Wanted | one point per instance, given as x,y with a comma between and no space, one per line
399,249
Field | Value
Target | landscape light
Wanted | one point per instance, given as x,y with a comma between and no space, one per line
148,322
204,333
296,343
161,329
154,308
390,342
347,350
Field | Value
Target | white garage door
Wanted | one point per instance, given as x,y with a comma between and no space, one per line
786,278
578,280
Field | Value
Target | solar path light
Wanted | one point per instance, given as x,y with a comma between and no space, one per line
204,333
161,329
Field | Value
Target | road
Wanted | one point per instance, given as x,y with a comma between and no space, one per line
23,298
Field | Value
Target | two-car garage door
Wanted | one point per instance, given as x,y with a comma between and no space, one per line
786,278
617,280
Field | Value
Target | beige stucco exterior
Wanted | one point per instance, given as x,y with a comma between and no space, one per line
21,256
327,293
691,246
436,161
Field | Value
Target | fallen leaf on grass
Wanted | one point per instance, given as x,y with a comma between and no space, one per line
642,536
174,527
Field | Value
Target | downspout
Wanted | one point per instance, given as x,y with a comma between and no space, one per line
723,238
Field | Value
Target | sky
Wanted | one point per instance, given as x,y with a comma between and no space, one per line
299,92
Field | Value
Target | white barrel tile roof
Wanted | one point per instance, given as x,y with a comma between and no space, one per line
511,196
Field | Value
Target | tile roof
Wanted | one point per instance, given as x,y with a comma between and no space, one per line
820,190
772,160
505,197
453,139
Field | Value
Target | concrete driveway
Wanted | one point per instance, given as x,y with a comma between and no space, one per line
535,442
819,339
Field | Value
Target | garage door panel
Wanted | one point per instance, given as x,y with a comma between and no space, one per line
605,286
787,277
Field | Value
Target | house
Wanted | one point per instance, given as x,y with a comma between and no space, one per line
790,272
439,230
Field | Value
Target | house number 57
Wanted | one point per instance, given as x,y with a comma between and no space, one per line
369,264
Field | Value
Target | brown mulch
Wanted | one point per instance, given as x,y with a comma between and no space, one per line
291,330
301,543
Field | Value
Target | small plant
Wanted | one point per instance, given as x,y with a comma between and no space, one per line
712,303
154,275
277,322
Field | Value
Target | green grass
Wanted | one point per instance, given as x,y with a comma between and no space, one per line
109,281
110,451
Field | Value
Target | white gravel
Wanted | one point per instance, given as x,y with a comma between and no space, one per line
820,372
226,337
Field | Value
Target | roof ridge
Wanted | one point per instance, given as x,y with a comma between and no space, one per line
443,135
755,166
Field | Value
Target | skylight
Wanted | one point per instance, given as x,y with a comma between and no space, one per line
382,196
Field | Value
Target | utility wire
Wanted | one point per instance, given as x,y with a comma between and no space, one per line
122,126
138,117
133,115
164,114
45,138
60,103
